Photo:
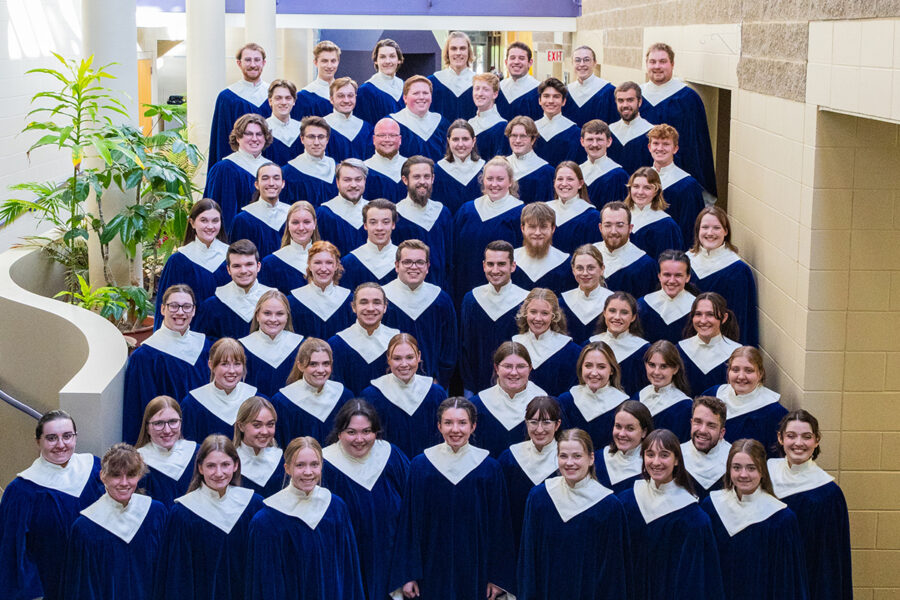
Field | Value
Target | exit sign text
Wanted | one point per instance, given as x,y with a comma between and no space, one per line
554,55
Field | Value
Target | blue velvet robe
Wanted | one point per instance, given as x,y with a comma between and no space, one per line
374,514
216,320
581,332
35,522
583,229
702,492
356,272
565,145
557,374
281,154
471,235
432,147
310,324
151,373
763,561
372,104
518,487
229,108
273,485
440,242
634,373
293,421
410,433
436,331
601,105
310,104
379,185
760,424
361,146
736,284
338,231
597,537
603,475
684,111
468,522
638,279
247,227
231,186
537,186
199,422
697,379
558,279
609,187
450,192
526,104
600,428
656,329
658,236
480,336
351,369
493,436
445,102
300,186
493,141
675,418
685,198
181,269
674,556
290,561
633,154
102,566
264,377
277,274
160,486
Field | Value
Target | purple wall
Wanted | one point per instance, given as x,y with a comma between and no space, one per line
501,8
422,55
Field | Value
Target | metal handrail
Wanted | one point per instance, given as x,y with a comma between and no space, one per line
19,405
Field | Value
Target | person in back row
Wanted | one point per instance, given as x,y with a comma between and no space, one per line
452,86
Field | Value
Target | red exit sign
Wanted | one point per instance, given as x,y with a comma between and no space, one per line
554,55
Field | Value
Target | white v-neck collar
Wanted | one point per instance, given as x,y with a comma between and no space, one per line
70,479
594,170
542,348
572,501
706,467
254,93
538,465
223,405
423,216
406,396
483,121
487,209
566,211
412,302
121,521
525,165
593,404
392,86
625,132
510,412
273,216
581,92
536,268
549,127
379,262
622,465
708,356
210,258
170,463
739,514
789,480
320,168
295,255
463,171
286,133
319,87
654,94
187,347
347,125
389,167
241,302
670,309
247,161
458,83
365,471
319,404
706,262
670,175
655,502
368,346
622,346
272,352
322,302
348,211
423,127
221,512
586,307
656,402
620,258
496,304
512,89
309,508
742,404
455,465
642,217
258,468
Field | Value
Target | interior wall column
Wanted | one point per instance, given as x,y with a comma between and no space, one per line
206,59
259,22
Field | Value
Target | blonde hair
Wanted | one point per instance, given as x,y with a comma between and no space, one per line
299,443
652,177
254,322
445,55
558,321
296,206
304,354
499,161
226,349
325,46
249,410
488,78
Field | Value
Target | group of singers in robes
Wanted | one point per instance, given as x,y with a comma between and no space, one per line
291,430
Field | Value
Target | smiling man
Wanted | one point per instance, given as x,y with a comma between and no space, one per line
533,174
538,263
351,137
421,131
286,143
315,99
629,133
664,313
605,179
706,454
452,86
627,268
557,134
423,310
386,163
488,125
518,91
340,220
589,97
310,176
682,192
262,221
374,260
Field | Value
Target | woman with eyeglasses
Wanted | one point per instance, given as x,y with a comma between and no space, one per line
165,451
171,362
369,474
116,543
38,507
527,464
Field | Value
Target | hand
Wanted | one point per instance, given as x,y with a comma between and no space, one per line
494,592
411,590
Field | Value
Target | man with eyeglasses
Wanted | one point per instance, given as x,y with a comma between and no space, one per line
423,310
626,267
384,179
351,137
310,176
589,97
421,218
374,260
